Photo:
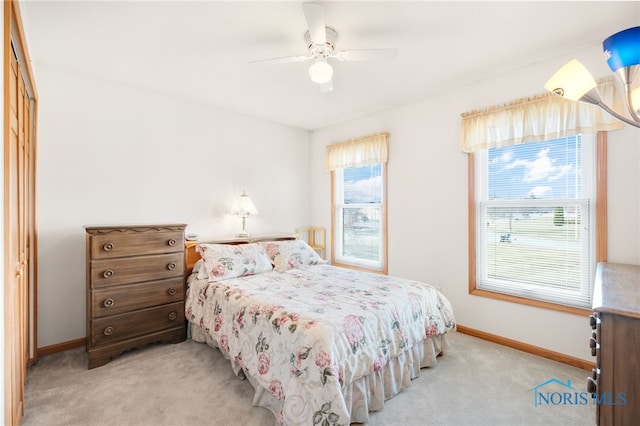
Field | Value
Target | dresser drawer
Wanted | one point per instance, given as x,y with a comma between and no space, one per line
116,300
131,243
109,272
120,327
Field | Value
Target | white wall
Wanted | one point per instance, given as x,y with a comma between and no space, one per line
111,154
427,196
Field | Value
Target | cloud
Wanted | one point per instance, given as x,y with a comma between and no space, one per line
539,192
504,158
564,170
540,169
364,191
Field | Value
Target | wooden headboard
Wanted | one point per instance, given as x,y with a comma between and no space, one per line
192,256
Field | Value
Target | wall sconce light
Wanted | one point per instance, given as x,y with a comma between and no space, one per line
574,82
244,208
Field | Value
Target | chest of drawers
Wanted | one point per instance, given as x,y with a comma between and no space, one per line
615,342
135,288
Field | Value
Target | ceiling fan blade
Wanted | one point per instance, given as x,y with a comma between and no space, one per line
367,55
326,87
314,13
282,60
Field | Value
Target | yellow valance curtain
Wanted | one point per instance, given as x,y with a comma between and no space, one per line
358,152
536,119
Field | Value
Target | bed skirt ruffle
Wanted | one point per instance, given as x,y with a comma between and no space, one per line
363,395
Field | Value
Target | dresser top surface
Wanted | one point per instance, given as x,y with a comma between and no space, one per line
617,289
101,228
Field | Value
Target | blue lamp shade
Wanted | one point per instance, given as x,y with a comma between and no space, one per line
623,49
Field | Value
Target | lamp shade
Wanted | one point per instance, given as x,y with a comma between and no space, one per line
635,100
572,81
244,207
320,72
623,49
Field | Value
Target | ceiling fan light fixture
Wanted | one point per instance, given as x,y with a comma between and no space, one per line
321,45
321,72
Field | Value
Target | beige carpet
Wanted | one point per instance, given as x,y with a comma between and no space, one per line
475,383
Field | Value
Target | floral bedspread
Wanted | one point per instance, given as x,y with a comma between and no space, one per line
304,333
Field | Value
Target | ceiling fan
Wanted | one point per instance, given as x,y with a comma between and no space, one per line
321,44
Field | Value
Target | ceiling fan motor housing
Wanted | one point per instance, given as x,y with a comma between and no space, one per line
322,50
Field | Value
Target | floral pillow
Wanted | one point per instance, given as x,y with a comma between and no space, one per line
291,254
228,261
200,270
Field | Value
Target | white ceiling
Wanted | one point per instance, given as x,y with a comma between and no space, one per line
200,50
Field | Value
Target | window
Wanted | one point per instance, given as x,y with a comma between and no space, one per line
534,215
359,216
358,202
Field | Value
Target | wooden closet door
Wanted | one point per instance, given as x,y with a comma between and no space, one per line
20,286
16,293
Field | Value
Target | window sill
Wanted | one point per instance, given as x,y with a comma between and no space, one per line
360,268
530,302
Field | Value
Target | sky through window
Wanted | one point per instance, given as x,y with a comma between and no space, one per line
363,184
538,170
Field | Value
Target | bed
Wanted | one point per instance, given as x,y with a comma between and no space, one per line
318,343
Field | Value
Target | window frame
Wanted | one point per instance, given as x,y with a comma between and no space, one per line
336,226
600,231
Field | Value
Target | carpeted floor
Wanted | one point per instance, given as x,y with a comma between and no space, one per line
474,383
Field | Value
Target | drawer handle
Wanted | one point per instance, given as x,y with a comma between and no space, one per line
173,316
593,344
594,321
592,382
108,247
108,273
108,303
171,291
108,331
171,266
172,242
